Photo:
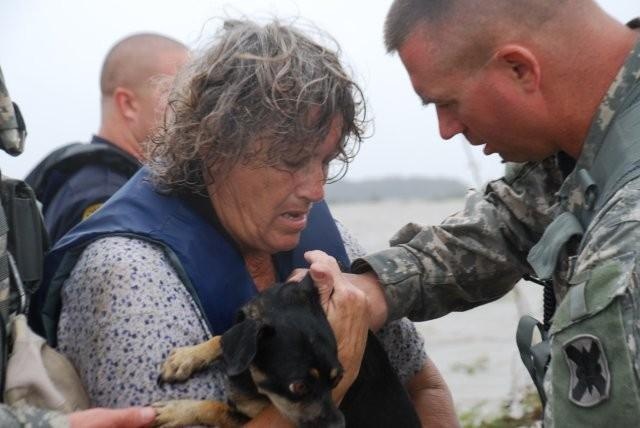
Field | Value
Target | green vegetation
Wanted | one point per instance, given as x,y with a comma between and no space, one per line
480,364
529,413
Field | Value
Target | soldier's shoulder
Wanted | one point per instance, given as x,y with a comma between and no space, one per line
623,207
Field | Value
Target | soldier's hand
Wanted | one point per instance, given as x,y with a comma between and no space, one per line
132,417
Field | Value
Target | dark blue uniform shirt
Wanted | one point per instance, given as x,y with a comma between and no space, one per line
82,193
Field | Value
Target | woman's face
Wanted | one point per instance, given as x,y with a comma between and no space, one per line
265,208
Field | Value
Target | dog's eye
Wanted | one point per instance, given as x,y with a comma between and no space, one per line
336,377
298,387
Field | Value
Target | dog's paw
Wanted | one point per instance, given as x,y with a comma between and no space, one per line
182,363
175,413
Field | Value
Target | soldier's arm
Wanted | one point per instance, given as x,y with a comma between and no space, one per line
472,257
17,417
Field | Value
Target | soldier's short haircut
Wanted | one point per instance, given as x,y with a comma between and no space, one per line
475,16
134,59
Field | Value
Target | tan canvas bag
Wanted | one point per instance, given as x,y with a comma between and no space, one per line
39,376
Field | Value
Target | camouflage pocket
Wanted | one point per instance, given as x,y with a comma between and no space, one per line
593,382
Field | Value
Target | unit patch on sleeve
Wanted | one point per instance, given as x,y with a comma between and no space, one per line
589,380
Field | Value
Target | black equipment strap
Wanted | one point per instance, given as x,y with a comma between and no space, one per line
71,157
27,237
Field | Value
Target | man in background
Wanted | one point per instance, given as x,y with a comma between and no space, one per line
75,180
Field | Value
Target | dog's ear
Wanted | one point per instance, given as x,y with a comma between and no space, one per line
310,293
240,316
240,344
306,283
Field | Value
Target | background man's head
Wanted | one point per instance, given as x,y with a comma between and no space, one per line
133,86
507,73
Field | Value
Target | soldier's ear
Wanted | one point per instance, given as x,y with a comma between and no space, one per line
520,65
240,345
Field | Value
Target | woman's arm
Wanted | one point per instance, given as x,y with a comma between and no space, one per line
123,310
431,397
270,417
426,387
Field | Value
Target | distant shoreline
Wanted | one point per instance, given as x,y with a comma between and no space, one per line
392,188
401,202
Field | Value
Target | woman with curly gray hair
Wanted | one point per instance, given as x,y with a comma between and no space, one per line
230,201
269,84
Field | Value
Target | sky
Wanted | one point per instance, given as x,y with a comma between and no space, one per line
51,53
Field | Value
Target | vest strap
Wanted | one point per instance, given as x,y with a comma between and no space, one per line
578,308
27,237
589,188
534,357
544,255
47,177
5,297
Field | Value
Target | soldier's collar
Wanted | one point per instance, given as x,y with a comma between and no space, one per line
628,78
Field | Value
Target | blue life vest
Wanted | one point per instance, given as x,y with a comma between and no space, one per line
206,260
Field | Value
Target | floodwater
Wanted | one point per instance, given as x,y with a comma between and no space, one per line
474,350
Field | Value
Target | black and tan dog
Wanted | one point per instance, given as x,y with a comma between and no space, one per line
281,350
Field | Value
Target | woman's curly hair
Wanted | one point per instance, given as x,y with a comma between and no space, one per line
269,83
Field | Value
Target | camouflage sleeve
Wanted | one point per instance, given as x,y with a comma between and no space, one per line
12,133
14,417
474,256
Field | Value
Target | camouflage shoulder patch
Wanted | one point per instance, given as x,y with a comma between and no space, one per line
90,210
590,380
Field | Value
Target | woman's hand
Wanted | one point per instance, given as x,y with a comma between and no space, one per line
367,282
347,312
132,417
376,301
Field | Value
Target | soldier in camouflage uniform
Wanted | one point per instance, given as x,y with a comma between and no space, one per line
555,87
12,136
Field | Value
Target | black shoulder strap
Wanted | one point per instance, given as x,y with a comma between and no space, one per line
71,157
38,175
23,242
26,237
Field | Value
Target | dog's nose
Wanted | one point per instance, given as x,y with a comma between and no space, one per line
333,420
331,417
338,421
